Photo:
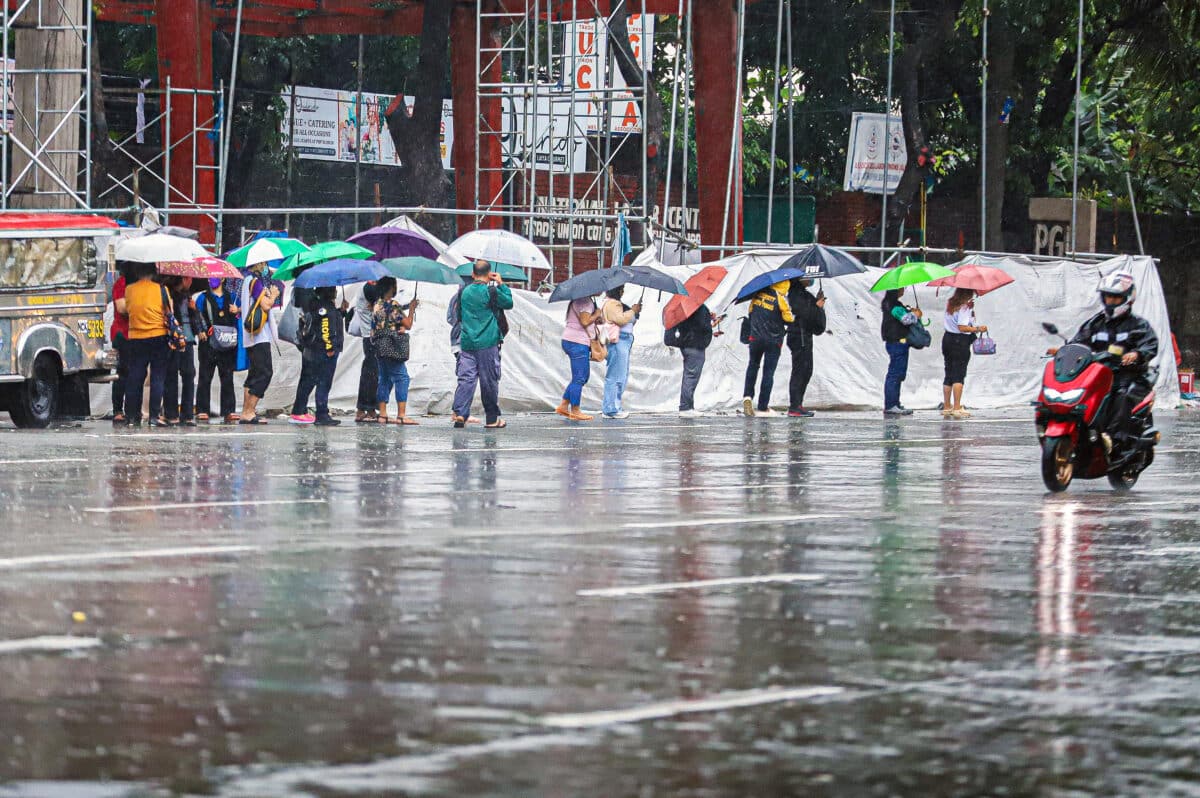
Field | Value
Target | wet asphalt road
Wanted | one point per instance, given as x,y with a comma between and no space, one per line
838,606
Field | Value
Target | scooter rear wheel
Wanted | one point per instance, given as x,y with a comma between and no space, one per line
1127,477
1058,463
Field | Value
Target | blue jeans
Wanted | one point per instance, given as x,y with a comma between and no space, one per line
392,373
897,371
769,355
617,374
316,371
581,369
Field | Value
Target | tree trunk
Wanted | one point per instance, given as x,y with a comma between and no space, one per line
652,125
417,133
1002,56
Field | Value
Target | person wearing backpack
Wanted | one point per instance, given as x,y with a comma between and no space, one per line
179,395
258,296
320,340
692,337
894,331
217,356
616,314
480,307
770,314
389,334
809,320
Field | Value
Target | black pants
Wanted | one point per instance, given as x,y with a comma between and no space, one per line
316,371
768,355
368,378
956,352
221,363
179,396
119,385
258,376
145,354
802,369
1127,392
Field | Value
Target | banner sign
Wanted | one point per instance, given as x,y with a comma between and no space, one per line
865,153
546,133
10,111
327,127
587,60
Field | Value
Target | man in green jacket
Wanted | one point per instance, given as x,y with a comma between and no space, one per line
479,307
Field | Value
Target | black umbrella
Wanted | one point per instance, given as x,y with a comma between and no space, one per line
592,283
653,278
819,261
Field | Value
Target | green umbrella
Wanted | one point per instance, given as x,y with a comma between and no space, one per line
421,270
910,274
320,253
265,250
505,270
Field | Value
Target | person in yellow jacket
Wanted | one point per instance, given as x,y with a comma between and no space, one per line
770,313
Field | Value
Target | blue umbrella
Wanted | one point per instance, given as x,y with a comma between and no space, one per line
592,283
341,272
769,279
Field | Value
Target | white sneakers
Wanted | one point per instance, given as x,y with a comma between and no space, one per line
620,414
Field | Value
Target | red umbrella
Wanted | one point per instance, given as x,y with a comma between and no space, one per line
200,268
980,279
699,288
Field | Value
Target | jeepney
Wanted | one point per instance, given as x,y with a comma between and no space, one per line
54,288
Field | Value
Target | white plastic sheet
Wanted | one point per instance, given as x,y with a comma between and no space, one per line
850,360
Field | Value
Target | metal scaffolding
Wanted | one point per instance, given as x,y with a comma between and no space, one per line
45,55
554,133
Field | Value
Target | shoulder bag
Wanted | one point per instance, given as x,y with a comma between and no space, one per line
599,350
389,343
175,339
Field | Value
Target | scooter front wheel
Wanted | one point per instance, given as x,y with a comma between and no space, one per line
1058,463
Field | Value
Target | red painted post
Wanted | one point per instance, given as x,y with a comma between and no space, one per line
465,84
715,34
185,34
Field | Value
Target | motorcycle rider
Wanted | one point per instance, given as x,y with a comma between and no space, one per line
1116,329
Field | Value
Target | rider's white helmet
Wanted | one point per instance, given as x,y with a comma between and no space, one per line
1119,284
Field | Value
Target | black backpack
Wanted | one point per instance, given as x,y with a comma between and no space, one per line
671,337
306,331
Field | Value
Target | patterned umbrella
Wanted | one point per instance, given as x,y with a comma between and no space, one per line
200,268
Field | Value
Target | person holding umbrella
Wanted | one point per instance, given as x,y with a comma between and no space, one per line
809,320
582,325
616,312
956,349
147,305
320,345
358,324
770,314
391,321
689,325
479,361
894,330
179,395
218,309
258,296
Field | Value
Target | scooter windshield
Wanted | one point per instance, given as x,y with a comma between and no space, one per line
1070,361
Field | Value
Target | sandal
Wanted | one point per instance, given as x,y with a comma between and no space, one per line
252,421
381,419
202,417
459,422
232,418
405,421
500,424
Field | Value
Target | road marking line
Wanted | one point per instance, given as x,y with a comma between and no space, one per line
104,556
134,508
700,584
46,460
741,519
48,643
363,473
667,709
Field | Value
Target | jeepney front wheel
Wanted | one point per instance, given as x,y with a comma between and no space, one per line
34,402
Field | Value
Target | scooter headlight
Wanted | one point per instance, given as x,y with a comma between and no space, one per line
1063,397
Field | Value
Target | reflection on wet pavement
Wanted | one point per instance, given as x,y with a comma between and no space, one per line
838,606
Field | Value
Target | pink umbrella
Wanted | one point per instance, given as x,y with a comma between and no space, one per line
200,267
980,279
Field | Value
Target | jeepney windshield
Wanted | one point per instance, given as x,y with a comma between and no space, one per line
47,263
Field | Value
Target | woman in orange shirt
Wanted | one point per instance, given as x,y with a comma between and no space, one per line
147,348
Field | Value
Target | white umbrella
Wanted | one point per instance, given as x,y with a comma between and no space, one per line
501,246
447,254
158,247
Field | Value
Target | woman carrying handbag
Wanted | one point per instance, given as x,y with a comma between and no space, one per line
581,341
960,332
389,337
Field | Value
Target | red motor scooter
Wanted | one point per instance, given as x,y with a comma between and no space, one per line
1076,398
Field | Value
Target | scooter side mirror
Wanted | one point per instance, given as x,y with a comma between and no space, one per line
1050,328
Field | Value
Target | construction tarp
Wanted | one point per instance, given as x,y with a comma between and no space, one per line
850,358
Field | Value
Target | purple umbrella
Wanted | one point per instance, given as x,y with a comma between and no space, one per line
394,242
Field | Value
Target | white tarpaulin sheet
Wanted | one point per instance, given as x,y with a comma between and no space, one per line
850,359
